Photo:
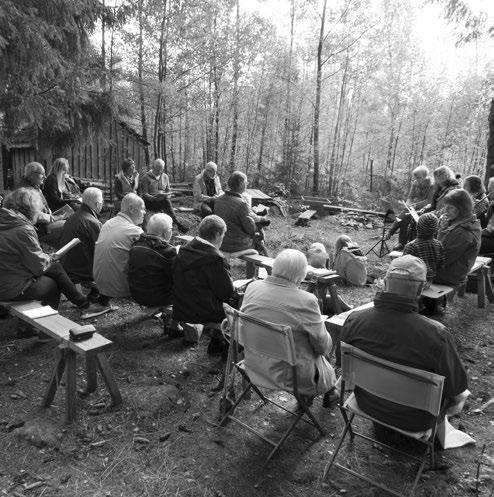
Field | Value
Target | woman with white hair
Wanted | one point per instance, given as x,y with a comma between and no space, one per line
59,188
278,299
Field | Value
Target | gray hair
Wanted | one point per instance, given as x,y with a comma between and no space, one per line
32,167
27,201
444,172
91,196
421,170
159,223
212,165
211,226
290,264
131,201
236,180
158,162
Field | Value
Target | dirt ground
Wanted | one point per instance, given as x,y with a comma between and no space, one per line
164,439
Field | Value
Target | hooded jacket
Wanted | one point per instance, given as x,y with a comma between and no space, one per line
21,257
83,224
150,271
201,284
461,243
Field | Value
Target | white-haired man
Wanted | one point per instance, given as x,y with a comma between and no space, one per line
151,261
394,330
85,225
278,299
111,254
206,189
155,190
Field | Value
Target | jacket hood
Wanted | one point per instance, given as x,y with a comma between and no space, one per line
10,219
472,224
196,254
155,242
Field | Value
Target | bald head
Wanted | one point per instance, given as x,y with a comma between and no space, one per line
93,198
160,225
158,166
133,206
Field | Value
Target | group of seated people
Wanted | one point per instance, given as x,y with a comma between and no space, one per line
118,259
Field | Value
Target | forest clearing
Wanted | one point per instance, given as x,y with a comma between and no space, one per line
163,439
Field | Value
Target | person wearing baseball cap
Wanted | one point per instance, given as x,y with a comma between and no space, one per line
394,330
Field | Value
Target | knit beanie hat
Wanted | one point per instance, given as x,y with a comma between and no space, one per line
427,225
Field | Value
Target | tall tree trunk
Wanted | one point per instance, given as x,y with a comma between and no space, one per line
236,74
336,133
141,83
317,104
489,166
288,103
103,49
161,77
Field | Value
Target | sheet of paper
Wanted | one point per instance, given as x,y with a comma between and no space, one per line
40,312
63,250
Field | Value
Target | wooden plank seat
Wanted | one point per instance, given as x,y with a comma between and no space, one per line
92,350
480,269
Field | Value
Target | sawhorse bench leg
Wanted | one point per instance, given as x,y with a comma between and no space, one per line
488,285
66,361
99,361
107,375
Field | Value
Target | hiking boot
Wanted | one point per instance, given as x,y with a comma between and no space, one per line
218,346
330,399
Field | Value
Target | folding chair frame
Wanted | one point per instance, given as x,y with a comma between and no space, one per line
235,365
429,442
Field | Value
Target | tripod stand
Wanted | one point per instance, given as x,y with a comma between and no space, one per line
381,243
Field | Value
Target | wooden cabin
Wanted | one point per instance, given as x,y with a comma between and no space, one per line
96,158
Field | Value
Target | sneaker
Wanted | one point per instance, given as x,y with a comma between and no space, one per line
94,310
330,399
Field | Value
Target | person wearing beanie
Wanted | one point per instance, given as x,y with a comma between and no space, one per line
460,236
425,246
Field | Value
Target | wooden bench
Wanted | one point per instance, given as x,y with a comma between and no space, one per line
325,279
481,269
92,350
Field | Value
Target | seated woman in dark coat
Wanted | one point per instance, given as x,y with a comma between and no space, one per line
459,233
59,188
26,272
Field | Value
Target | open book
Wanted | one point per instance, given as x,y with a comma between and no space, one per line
64,211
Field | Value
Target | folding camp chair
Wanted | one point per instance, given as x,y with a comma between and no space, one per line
261,340
402,385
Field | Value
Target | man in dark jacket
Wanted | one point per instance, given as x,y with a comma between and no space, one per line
234,210
394,330
201,276
151,262
85,225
